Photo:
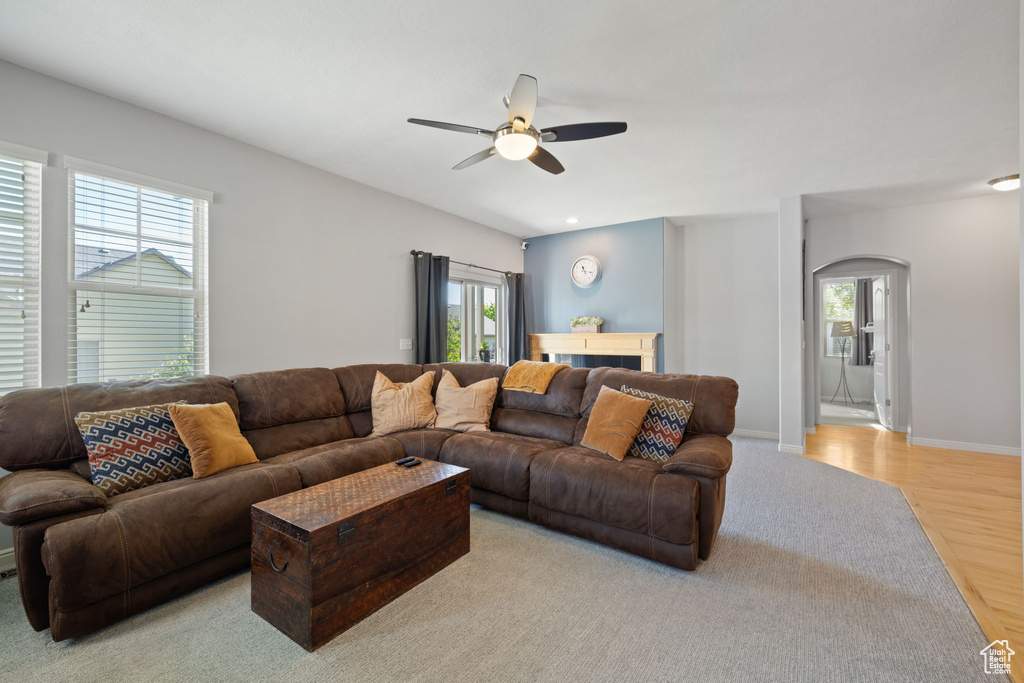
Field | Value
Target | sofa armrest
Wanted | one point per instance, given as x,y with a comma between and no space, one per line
704,455
29,495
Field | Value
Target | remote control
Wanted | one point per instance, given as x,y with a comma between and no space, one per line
404,460
413,463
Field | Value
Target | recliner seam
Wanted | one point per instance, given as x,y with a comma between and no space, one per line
650,516
266,401
49,568
47,502
273,482
127,564
213,394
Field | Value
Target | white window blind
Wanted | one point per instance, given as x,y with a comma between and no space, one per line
20,182
137,294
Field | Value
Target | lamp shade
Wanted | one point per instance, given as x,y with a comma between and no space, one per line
842,328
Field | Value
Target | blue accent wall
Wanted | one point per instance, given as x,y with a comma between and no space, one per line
631,294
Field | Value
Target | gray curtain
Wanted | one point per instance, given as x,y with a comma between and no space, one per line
518,341
431,308
863,313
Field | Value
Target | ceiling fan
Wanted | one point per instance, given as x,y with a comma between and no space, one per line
518,139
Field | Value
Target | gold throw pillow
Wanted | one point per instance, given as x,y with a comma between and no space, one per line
465,409
398,406
615,420
210,432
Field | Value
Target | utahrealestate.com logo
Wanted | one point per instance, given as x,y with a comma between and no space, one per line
997,657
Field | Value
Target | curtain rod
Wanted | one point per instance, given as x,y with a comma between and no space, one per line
463,263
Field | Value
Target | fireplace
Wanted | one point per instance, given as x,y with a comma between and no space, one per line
583,361
638,351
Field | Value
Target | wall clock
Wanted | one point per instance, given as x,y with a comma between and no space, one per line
586,271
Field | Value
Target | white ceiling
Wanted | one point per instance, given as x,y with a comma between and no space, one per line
730,105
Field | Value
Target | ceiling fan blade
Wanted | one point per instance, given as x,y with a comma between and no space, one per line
452,126
544,159
582,131
522,101
475,159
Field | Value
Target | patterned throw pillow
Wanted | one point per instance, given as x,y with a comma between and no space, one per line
132,448
663,428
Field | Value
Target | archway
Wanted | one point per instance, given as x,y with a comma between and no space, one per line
883,385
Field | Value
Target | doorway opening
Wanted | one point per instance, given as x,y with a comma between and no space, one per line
861,372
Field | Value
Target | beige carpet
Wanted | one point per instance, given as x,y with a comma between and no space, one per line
819,574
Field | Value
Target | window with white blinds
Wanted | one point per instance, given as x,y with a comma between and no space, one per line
20,181
137,300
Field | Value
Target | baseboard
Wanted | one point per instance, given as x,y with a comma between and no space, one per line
963,446
754,434
6,558
789,448
811,430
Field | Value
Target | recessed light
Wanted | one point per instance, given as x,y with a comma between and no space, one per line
572,220
1009,182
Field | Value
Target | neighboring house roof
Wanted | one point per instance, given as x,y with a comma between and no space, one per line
96,261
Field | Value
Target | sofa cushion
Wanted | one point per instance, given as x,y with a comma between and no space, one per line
713,398
423,443
615,422
211,434
663,427
348,457
632,494
157,530
36,494
133,447
357,382
37,427
563,397
497,461
400,406
464,409
552,415
268,399
271,441
467,373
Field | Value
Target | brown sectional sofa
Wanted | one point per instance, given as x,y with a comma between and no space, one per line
85,561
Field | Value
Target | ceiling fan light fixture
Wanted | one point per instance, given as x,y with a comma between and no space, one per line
514,145
1006,183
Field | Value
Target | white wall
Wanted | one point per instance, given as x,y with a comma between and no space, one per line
859,378
727,304
306,268
964,271
792,354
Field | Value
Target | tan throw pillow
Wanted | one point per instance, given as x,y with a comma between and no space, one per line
210,432
398,406
465,409
615,420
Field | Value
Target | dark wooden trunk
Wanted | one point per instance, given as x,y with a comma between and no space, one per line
325,557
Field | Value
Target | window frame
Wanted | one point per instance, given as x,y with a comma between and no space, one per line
466,279
825,282
33,161
198,292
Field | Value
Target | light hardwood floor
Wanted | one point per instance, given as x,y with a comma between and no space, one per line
969,505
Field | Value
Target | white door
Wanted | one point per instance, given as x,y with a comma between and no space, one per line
880,350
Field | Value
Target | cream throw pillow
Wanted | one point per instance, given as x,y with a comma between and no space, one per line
398,406
465,409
